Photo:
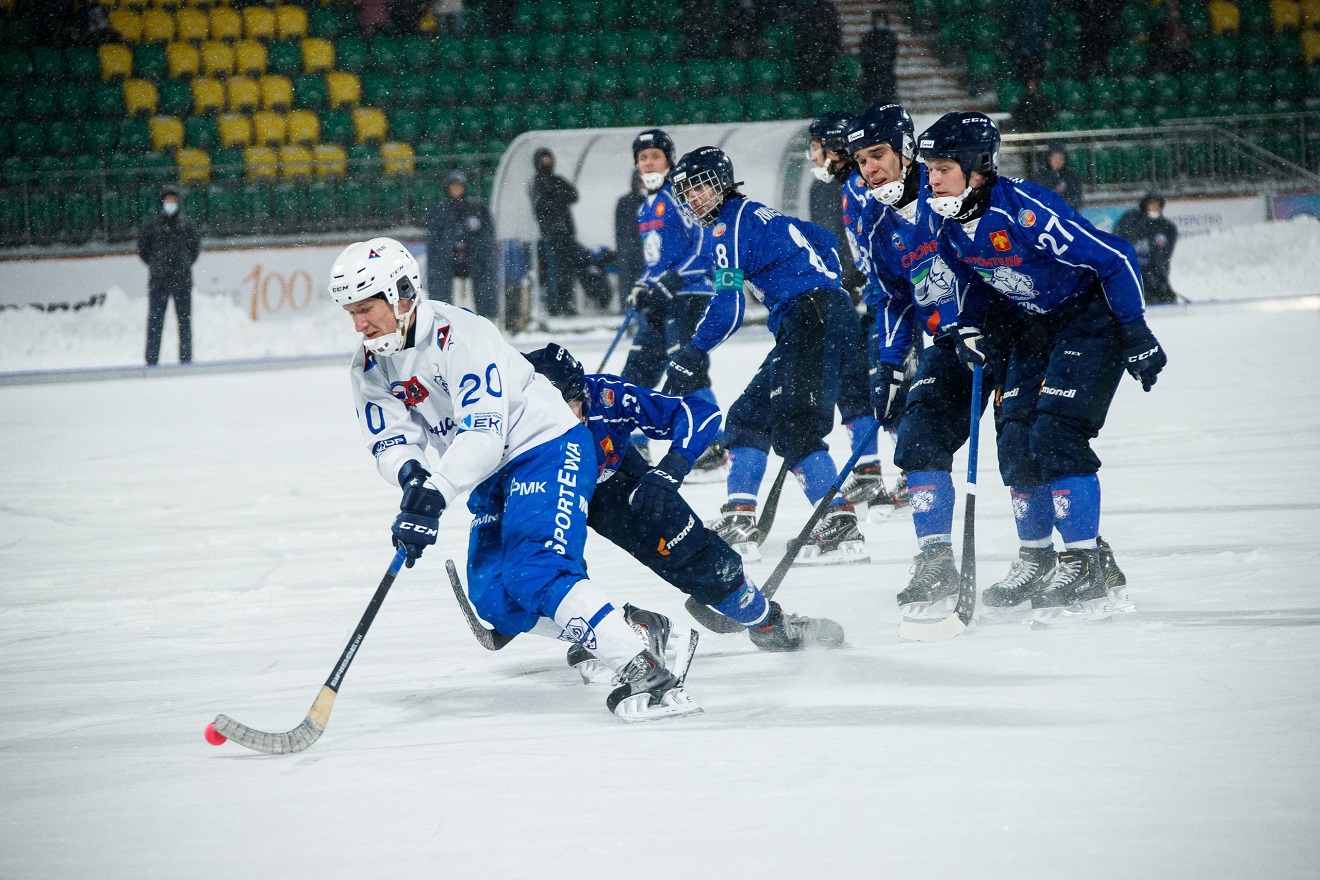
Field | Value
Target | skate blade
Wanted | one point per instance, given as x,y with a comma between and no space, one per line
1090,611
848,553
927,611
879,512
1019,613
1119,602
675,703
750,551
594,672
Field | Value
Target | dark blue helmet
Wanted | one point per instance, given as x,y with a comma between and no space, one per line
882,124
654,137
704,166
830,128
970,138
561,368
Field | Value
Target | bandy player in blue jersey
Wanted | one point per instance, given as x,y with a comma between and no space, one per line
637,507
1081,322
793,268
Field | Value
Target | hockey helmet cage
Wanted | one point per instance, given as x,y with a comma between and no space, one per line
704,167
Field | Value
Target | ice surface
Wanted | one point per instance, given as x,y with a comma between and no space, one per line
195,544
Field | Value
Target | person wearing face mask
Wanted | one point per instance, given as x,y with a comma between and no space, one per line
169,244
552,200
1079,322
1154,236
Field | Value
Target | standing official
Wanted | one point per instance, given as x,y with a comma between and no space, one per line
169,244
460,243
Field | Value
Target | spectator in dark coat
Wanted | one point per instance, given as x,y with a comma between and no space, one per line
460,243
1153,236
629,260
1026,32
878,53
1033,112
817,40
552,199
1059,177
169,244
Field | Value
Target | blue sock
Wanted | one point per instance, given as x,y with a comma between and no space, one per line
1033,510
746,470
708,395
747,604
931,498
859,428
1077,508
816,473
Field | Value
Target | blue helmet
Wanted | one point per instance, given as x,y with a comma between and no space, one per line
561,368
654,137
882,124
829,128
971,138
704,166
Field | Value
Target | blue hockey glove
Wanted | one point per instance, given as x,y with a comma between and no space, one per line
418,523
888,396
969,343
1142,354
686,371
657,490
658,294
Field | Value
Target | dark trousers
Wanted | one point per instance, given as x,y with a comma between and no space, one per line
677,547
158,297
560,257
660,335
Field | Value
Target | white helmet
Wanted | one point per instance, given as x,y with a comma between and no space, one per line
379,267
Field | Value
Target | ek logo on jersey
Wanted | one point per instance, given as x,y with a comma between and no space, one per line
719,230
382,445
486,421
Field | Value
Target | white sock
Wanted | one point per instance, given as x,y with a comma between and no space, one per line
587,617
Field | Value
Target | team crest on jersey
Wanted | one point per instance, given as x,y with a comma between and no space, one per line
607,445
368,361
719,230
410,391
1062,505
442,336
898,241
659,209
607,398
1027,217
578,630
1001,241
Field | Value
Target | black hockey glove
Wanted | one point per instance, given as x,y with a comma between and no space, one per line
658,294
969,343
888,394
1142,354
418,523
657,490
686,371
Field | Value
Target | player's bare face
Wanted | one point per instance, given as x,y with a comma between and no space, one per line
879,164
946,177
579,410
702,199
652,160
816,154
372,317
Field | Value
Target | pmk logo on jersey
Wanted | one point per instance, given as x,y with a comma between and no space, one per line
607,396
719,230
442,336
1027,217
1001,241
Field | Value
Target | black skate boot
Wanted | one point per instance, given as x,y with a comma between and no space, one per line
736,526
795,632
1011,597
900,493
933,591
587,666
866,485
652,627
1115,581
835,540
648,691
711,465
1078,589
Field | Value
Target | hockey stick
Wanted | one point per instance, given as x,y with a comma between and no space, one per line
712,619
771,505
961,616
490,640
627,320
318,716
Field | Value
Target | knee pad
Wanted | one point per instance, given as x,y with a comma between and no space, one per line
1061,447
1017,467
919,446
743,428
795,439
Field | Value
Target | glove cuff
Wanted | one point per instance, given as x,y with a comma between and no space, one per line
670,281
675,464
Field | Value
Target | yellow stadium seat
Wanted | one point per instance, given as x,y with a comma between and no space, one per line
428,23
318,56
243,93
276,93
368,125
1224,17
259,23
295,162
127,24
182,60
217,58
1310,46
268,128
1310,13
1286,14
397,158
234,129
166,133
261,162
291,22
194,165
226,24
208,96
343,89
116,61
157,26
140,97
330,159
249,58
304,127
192,25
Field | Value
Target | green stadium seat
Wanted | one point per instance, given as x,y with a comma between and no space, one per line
1133,117
539,117
227,164
517,49
1009,93
763,75
473,123
698,113
327,23
405,125
200,132
728,108
1226,87
80,216
254,206
666,111
1069,120
134,136
632,112
553,15
600,114
1104,93
336,126
448,52
542,83
730,75
510,85
1197,88
1257,51
760,108
15,170
283,57
637,80
20,32
1257,85
575,83
9,104
438,124
570,114
176,97
1134,91
505,122
668,79
483,51
641,44
1165,90
309,92
1288,88
583,16
607,81
1073,95
1159,114
982,66
39,103
323,204
668,44
378,89
1226,53
612,46
417,52
616,14
74,100
99,136
86,164
351,54
385,54
525,18
414,89
446,88
1060,61
580,48
478,87
47,64
1066,28
1104,162
63,137
363,159
16,65
1133,163
424,191
287,205
701,77
1287,50
82,63
1255,18
1203,53
390,201
548,49
149,61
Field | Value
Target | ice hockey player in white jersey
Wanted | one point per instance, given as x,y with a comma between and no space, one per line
429,373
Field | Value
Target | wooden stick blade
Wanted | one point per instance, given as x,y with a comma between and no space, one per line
296,740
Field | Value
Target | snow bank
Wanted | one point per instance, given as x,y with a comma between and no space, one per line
1251,261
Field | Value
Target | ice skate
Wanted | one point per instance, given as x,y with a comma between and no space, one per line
795,632
933,591
712,466
1010,598
736,526
649,691
653,628
835,540
900,493
592,670
866,486
1086,586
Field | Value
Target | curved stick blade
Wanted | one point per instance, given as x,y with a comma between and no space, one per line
712,619
301,737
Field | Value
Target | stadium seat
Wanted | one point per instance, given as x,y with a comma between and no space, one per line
194,165
261,163
157,26
405,124
29,139
385,54
166,133
242,94
217,59
134,136
127,24
507,122
600,114
438,124
1310,14
63,137
701,76
575,83
328,23
39,103
149,61
227,163
553,15
1226,87
1224,17
478,87
416,52
607,81
295,162
116,61
350,53
249,58
763,74
612,46
330,160
1197,88
208,95
543,83
667,111
259,23
16,65
397,158
291,22
1165,90
583,17
540,117
510,85
336,126
234,130
107,99
140,97
483,51
1257,86
473,123
200,132
182,60
728,108
82,63
413,89
1103,93
1255,18
276,93
368,125
192,25
285,58
269,128
579,48
378,89
1257,51
790,105
75,101
226,24
1310,46
309,92
517,50
1287,49
760,108
548,49
449,52
303,127
1288,88
318,56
